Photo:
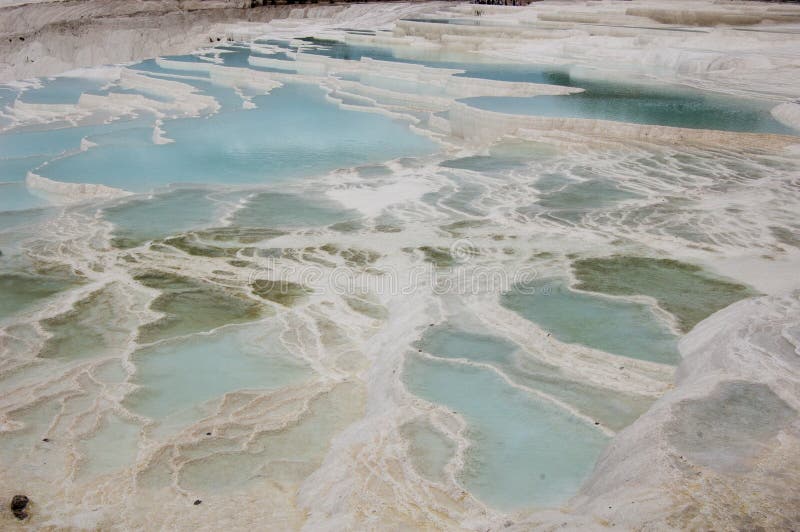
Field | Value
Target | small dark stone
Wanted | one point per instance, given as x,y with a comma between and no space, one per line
18,505
22,38
208,434
45,440
19,502
596,422
197,502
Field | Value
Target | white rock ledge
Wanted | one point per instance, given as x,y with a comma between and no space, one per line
722,449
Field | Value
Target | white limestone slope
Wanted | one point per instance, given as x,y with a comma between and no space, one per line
719,451
45,38
61,193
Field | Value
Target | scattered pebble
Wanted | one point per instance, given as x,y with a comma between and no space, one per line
18,505
197,502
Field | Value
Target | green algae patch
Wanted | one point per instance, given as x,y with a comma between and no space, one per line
21,291
359,258
191,306
388,228
320,41
442,257
191,245
349,226
241,263
85,330
284,293
684,290
786,236
370,309
221,242
243,235
121,242
330,249
458,228
438,256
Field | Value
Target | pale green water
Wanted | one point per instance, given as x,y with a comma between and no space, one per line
429,448
149,218
85,331
178,377
111,448
281,457
613,409
617,326
509,427
243,191
281,210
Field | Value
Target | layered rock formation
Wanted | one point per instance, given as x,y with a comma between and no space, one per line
44,38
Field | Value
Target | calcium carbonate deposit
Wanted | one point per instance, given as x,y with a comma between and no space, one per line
408,266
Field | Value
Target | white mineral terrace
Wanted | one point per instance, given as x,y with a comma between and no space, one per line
400,266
